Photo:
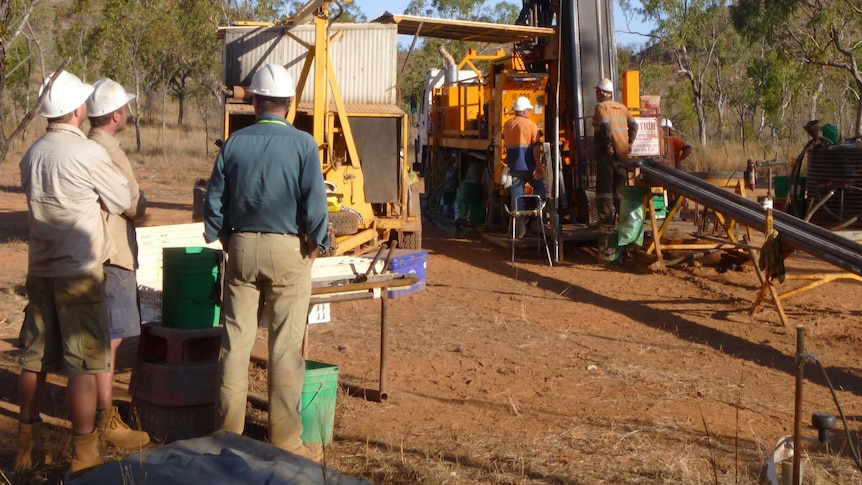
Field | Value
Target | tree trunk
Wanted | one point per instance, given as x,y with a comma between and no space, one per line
720,99
696,92
164,128
858,106
138,141
815,98
181,101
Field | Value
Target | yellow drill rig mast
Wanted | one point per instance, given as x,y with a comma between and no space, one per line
359,128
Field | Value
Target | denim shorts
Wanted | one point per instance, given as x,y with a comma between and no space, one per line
121,298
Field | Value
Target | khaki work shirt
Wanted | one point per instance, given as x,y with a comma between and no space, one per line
121,227
66,177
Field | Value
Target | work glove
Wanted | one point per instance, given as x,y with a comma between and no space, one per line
772,257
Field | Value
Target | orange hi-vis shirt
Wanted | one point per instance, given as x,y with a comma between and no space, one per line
519,134
617,117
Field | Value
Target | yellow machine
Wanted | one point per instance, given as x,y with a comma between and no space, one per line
345,98
462,136
559,50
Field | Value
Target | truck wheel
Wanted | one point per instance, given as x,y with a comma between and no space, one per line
344,223
413,240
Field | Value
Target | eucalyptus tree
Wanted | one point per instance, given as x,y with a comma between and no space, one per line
339,11
124,41
692,32
814,33
193,54
19,50
428,56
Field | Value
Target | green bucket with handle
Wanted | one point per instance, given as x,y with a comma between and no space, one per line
317,410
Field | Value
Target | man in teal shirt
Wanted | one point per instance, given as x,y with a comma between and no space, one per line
266,203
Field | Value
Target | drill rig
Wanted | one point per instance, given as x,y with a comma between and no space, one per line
346,98
559,50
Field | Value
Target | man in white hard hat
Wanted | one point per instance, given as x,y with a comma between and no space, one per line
614,131
107,109
266,203
521,135
677,149
67,180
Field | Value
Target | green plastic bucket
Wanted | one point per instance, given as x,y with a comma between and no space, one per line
470,192
318,402
189,279
779,183
830,132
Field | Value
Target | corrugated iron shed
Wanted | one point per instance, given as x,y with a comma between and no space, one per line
364,57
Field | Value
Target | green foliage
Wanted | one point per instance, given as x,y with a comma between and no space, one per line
476,10
827,34
427,57
758,19
258,10
20,55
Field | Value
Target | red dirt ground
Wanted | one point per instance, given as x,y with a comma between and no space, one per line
581,373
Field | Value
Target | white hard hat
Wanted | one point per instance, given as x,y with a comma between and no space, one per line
108,96
67,94
272,80
665,123
521,104
605,85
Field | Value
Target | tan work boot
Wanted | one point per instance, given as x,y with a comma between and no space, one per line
31,450
86,454
114,431
312,451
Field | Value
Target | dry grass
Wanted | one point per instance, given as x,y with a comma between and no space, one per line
167,159
728,157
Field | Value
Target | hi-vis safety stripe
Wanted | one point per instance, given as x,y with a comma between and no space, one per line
276,122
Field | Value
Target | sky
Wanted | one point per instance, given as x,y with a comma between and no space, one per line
374,8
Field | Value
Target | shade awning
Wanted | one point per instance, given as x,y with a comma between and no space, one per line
463,29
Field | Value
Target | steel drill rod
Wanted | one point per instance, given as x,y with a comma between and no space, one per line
392,246
375,260
384,298
815,240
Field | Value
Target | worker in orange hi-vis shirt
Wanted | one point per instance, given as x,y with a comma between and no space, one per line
678,149
521,135
614,130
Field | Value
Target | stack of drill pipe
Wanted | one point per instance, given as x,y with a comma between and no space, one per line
812,239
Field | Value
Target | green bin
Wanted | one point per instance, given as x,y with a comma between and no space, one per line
318,402
779,184
189,287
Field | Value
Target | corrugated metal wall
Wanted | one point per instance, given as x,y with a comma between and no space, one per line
597,50
365,58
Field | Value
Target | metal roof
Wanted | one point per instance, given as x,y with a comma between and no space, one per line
462,29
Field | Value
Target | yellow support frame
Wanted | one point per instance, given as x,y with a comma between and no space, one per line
768,292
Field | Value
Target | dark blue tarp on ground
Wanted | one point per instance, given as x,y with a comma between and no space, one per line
222,458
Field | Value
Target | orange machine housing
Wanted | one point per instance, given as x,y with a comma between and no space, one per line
468,115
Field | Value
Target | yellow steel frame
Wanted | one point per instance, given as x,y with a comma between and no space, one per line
347,176
768,292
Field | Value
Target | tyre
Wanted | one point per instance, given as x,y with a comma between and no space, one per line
344,223
413,240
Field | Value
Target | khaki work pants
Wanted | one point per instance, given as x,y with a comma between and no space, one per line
271,265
